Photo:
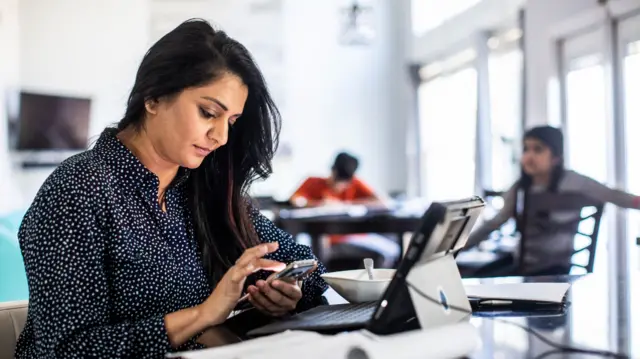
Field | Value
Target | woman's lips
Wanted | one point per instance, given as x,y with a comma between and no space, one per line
202,151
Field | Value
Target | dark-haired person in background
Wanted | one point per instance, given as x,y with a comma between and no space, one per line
543,170
342,186
135,247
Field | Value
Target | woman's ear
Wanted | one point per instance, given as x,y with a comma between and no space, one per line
151,106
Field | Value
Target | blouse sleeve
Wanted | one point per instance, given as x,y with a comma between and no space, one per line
306,191
313,286
363,191
64,248
483,231
604,194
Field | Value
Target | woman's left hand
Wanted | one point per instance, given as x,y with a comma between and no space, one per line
275,298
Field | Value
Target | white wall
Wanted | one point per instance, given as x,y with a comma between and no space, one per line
332,97
81,48
351,98
85,48
9,78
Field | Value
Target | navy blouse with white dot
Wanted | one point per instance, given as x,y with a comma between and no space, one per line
105,264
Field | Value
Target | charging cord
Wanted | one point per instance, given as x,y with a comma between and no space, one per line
559,348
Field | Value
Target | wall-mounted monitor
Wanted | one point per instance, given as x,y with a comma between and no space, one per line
46,122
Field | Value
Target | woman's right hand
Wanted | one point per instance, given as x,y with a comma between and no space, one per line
227,292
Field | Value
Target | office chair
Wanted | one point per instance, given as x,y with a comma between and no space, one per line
547,203
539,204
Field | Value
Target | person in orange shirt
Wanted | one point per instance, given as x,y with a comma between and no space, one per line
342,186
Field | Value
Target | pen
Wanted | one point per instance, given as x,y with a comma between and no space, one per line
496,302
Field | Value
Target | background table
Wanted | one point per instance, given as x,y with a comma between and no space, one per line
318,226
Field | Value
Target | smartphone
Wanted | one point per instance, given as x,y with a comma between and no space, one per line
296,270
292,272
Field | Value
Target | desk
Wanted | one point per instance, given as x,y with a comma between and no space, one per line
315,227
587,323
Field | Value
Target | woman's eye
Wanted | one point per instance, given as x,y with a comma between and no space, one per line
206,114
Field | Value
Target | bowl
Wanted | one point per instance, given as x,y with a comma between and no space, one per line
356,287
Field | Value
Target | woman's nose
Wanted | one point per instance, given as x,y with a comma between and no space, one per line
220,132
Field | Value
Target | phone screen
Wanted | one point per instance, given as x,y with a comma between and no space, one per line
296,271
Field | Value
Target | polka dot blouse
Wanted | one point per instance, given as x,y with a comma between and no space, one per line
105,264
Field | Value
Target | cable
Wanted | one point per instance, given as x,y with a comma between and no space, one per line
548,353
558,347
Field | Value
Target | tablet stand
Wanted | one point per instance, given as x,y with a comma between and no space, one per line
440,281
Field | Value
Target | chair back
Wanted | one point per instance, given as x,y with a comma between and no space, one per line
13,316
539,206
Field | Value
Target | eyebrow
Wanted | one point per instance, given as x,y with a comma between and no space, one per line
224,107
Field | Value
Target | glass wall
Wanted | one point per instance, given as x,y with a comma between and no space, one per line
587,118
586,123
629,44
448,107
505,88
632,116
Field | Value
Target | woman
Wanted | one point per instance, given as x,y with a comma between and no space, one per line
135,247
342,186
543,170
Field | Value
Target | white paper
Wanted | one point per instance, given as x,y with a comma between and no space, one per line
540,292
259,346
452,341
327,210
472,257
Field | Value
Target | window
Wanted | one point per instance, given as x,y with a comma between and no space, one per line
587,121
632,129
428,14
587,125
631,66
447,106
505,86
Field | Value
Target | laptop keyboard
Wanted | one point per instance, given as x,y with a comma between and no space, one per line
324,317
345,314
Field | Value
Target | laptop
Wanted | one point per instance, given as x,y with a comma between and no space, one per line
423,291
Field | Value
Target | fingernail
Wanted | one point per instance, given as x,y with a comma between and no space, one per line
260,283
276,283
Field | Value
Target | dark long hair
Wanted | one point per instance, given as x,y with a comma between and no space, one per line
552,138
192,55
